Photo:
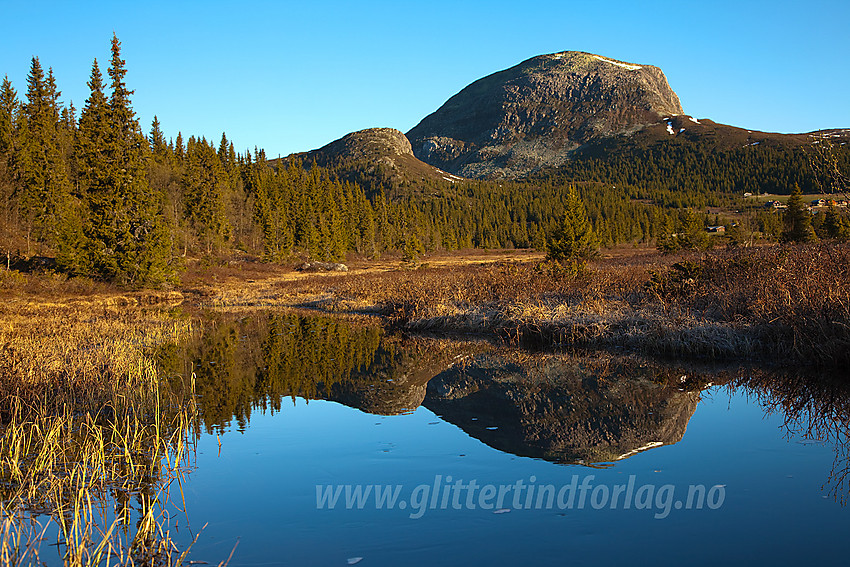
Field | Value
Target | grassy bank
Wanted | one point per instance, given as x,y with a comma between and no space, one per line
774,303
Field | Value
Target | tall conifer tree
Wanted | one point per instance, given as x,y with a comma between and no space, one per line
797,219
8,116
127,237
573,239
40,164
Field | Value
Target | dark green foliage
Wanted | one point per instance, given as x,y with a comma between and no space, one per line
157,139
9,228
798,220
206,192
412,249
573,239
310,212
696,173
835,225
126,239
8,116
688,234
40,166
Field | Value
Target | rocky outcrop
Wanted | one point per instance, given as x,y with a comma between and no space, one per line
533,115
321,267
375,157
379,144
565,410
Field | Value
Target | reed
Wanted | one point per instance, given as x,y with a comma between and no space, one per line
93,438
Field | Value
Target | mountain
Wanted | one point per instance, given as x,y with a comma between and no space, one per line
535,113
579,117
375,157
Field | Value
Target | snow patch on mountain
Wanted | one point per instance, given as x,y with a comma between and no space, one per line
618,64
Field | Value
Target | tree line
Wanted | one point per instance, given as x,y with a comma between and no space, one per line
112,202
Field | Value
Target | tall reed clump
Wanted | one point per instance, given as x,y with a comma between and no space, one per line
88,356
92,438
85,481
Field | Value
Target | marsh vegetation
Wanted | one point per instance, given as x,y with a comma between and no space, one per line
91,437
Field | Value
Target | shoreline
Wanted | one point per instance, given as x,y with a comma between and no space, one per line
780,304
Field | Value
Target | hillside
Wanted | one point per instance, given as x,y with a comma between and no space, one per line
375,157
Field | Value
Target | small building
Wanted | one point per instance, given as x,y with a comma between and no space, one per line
719,229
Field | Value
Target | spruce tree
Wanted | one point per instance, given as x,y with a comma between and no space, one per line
797,220
573,239
206,193
45,189
157,140
89,156
127,238
179,150
8,117
834,226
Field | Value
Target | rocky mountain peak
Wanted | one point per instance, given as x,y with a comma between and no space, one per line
369,143
534,114
375,157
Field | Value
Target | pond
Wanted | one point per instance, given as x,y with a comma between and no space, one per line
324,442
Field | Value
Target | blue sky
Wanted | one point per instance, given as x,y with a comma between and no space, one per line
292,76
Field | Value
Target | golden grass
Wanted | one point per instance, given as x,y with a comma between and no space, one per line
88,428
87,355
783,303
81,476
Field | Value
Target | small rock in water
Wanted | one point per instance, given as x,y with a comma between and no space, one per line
354,560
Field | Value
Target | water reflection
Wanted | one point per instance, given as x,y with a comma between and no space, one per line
558,407
591,409
814,406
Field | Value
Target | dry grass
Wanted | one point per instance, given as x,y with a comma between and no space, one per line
786,303
75,478
87,427
84,354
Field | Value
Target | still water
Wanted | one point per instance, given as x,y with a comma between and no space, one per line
328,443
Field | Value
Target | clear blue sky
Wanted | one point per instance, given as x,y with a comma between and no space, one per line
292,76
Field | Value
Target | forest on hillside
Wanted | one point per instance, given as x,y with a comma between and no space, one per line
112,202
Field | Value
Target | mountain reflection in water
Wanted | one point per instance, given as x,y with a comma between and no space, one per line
567,408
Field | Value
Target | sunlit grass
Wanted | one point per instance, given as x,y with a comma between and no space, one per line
92,438
788,303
